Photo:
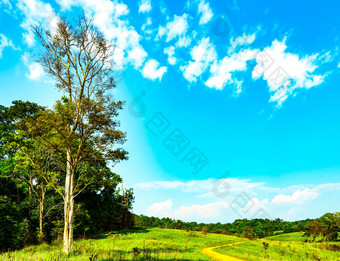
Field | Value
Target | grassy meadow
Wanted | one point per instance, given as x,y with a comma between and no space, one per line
171,244
152,244
295,236
285,247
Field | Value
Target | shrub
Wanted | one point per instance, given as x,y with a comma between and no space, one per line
204,231
192,234
265,245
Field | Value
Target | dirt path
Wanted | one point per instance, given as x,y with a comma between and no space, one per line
217,256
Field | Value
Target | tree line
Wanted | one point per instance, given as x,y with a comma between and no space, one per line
327,227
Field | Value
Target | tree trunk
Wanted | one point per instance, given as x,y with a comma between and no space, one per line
41,207
41,216
68,207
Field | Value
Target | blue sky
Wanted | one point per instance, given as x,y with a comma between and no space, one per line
232,106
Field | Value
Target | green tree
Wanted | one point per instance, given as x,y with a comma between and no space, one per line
247,232
83,126
331,227
314,229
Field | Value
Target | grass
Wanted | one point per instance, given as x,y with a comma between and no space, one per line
169,244
150,244
295,236
283,250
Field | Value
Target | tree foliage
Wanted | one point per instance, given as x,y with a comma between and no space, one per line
27,169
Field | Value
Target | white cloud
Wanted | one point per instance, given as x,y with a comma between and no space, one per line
162,209
238,87
176,28
183,41
244,39
170,51
203,56
146,28
137,56
221,72
232,198
36,13
205,11
35,71
212,188
198,211
189,186
207,186
5,42
298,197
111,19
193,212
145,6
65,4
326,57
152,71
34,68
285,72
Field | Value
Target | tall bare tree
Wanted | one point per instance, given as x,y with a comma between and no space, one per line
82,126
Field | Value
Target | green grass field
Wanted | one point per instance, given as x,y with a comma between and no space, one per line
169,244
295,236
153,244
283,250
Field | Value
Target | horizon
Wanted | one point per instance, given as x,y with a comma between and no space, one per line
231,107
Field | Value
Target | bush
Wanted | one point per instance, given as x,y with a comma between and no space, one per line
192,234
204,231
265,245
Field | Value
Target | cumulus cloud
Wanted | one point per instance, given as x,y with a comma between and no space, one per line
192,212
111,18
170,51
242,40
205,12
145,6
152,71
298,197
176,28
146,28
232,198
221,71
36,13
285,72
5,42
35,71
206,211
162,209
212,188
137,56
183,41
203,55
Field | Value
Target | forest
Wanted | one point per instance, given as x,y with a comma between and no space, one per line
327,227
31,210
